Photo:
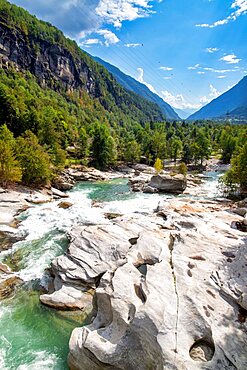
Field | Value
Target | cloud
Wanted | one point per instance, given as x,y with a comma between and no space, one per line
214,93
230,59
117,11
194,67
72,16
132,45
90,42
239,7
178,101
80,18
166,68
221,76
212,50
109,37
167,78
140,78
201,72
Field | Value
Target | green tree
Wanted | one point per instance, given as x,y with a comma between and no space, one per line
203,143
103,147
176,147
34,161
83,144
228,145
10,170
237,175
182,168
132,151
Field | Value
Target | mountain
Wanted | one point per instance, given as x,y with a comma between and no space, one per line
28,45
131,84
234,100
184,113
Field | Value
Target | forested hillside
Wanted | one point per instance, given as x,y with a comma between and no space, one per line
131,84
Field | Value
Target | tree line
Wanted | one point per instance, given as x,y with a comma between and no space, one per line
42,131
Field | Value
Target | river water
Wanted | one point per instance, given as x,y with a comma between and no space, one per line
33,336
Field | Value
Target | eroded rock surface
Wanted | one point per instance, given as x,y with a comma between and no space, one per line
170,290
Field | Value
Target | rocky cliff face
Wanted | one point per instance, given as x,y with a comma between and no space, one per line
170,290
48,62
62,66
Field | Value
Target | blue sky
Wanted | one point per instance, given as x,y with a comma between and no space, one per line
188,52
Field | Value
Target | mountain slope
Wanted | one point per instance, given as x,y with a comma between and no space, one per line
231,100
184,113
131,84
27,44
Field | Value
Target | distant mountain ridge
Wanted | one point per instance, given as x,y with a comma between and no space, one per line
233,103
133,85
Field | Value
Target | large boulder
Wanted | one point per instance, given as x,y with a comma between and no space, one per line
176,301
169,184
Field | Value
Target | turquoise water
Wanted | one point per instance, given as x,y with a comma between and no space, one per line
33,336
116,190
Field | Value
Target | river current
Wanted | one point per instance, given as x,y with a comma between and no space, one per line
33,336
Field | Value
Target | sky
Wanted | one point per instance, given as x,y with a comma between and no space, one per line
188,52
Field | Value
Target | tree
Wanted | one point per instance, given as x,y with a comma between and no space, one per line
132,151
158,165
9,167
203,143
228,145
34,161
237,175
103,147
83,144
176,147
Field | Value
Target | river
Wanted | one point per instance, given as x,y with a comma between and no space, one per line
33,336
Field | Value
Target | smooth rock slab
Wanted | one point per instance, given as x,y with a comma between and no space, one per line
174,303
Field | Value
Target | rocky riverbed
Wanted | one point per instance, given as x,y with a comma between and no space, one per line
164,277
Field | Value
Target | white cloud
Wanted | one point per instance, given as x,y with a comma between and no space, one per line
178,101
230,59
80,18
117,11
90,42
132,45
166,68
167,78
221,76
212,50
239,7
194,67
140,78
109,36
214,93
72,16
201,72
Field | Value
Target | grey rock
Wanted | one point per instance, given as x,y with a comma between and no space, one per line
240,211
169,184
58,193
